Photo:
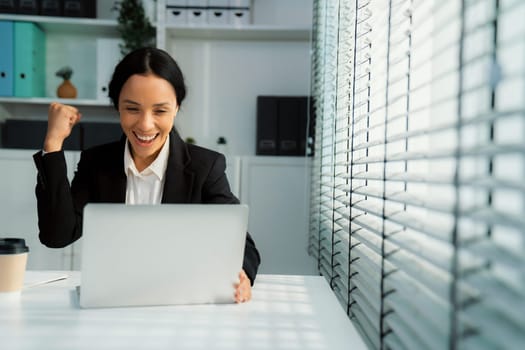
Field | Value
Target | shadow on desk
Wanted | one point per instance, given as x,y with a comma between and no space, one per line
286,312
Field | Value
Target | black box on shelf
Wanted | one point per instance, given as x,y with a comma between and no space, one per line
28,7
289,126
267,124
79,8
8,6
51,7
30,134
97,133
282,125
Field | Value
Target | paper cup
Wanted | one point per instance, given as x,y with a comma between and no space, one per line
13,261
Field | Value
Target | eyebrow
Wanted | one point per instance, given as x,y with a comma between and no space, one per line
155,105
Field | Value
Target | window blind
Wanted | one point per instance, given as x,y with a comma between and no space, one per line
418,195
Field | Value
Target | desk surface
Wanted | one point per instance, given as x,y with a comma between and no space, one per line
287,312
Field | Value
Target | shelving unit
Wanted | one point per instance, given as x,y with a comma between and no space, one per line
226,67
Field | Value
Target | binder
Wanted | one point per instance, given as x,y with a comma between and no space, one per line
73,8
51,8
29,60
108,55
267,125
8,6
289,123
28,7
6,58
80,8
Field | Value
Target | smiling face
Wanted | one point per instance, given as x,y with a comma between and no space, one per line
147,107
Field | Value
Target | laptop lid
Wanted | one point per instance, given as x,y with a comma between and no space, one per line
138,255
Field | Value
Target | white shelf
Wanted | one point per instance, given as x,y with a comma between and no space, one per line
248,32
48,100
108,27
70,25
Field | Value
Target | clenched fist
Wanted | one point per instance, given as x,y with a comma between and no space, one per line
60,121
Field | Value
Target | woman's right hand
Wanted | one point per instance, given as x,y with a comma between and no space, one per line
60,121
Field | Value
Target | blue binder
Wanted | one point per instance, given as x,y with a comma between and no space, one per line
29,64
6,58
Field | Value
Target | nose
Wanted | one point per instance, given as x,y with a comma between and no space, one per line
145,121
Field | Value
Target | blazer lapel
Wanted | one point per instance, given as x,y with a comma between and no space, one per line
113,179
178,183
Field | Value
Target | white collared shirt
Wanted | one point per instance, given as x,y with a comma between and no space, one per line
146,187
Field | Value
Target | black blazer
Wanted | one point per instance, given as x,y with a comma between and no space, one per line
193,175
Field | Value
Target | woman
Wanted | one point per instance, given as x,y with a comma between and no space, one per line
149,165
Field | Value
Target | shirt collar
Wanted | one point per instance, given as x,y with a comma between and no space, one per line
158,167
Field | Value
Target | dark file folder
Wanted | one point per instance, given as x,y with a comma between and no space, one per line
51,8
28,7
282,126
267,125
8,6
80,8
289,125
30,134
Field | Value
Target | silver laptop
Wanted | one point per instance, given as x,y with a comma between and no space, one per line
138,255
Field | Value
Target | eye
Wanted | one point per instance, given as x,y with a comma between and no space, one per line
160,111
132,109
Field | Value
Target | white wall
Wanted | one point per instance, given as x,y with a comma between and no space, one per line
224,79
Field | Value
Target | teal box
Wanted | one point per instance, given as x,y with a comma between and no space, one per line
6,58
29,60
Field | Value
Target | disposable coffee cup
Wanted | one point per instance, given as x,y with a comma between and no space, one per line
13,261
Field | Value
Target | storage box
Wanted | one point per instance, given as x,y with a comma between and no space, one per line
282,126
8,6
218,14
30,134
79,8
197,16
28,7
218,17
177,12
51,8
197,12
240,17
176,16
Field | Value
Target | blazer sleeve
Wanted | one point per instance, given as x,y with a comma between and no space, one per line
217,190
59,208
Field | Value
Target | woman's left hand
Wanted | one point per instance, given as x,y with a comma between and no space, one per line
243,290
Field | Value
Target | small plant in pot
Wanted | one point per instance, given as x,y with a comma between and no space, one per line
66,89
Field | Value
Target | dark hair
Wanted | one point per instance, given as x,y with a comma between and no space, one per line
143,61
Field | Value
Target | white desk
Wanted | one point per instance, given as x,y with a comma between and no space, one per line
287,312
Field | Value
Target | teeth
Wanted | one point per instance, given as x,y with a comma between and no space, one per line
145,138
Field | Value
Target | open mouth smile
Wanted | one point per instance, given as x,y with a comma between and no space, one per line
145,139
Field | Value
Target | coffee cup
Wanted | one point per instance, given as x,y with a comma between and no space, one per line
13,260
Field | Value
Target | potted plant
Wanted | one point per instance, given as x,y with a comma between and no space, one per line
133,25
66,89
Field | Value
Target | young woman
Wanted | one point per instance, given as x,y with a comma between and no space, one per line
151,164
